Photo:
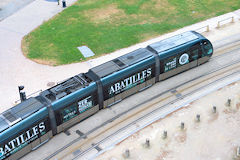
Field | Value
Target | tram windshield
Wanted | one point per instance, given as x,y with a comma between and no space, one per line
207,48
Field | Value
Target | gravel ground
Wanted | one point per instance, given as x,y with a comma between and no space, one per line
215,137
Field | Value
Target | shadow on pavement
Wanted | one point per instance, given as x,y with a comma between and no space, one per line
12,7
52,0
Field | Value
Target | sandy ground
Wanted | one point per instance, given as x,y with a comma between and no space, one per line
215,137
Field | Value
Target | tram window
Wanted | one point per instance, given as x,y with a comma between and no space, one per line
207,48
85,104
194,55
69,112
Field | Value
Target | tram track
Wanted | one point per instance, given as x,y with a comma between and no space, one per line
138,120
158,101
228,44
145,105
222,50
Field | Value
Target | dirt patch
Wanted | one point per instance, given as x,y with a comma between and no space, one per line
135,135
86,2
145,19
25,51
202,141
163,155
112,14
51,84
152,10
164,5
148,36
45,62
229,111
213,118
131,2
72,20
197,15
24,46
181,137
158,6
238,106
108,13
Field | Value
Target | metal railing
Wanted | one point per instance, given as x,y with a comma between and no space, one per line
226,20
206,28
203,29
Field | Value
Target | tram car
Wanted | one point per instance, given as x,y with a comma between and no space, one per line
33,122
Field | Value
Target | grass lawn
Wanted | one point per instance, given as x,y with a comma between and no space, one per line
108,25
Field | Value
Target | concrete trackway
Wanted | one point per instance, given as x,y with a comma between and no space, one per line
17,70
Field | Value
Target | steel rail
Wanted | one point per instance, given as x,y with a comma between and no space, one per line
145,102
149,114
174,88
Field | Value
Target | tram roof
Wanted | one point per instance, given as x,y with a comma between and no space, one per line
19,112
122,62
174,41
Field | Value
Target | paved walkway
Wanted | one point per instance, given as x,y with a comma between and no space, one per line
17,70
9,7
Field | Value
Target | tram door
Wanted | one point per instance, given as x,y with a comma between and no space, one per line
195,53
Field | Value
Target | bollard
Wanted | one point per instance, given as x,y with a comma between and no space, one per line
164,134
147,143
126,154
198,117
232,21
182,126
214,109
207,28
238,151
64,3
218,24
229,102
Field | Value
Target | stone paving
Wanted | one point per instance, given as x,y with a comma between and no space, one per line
17,70
214,137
